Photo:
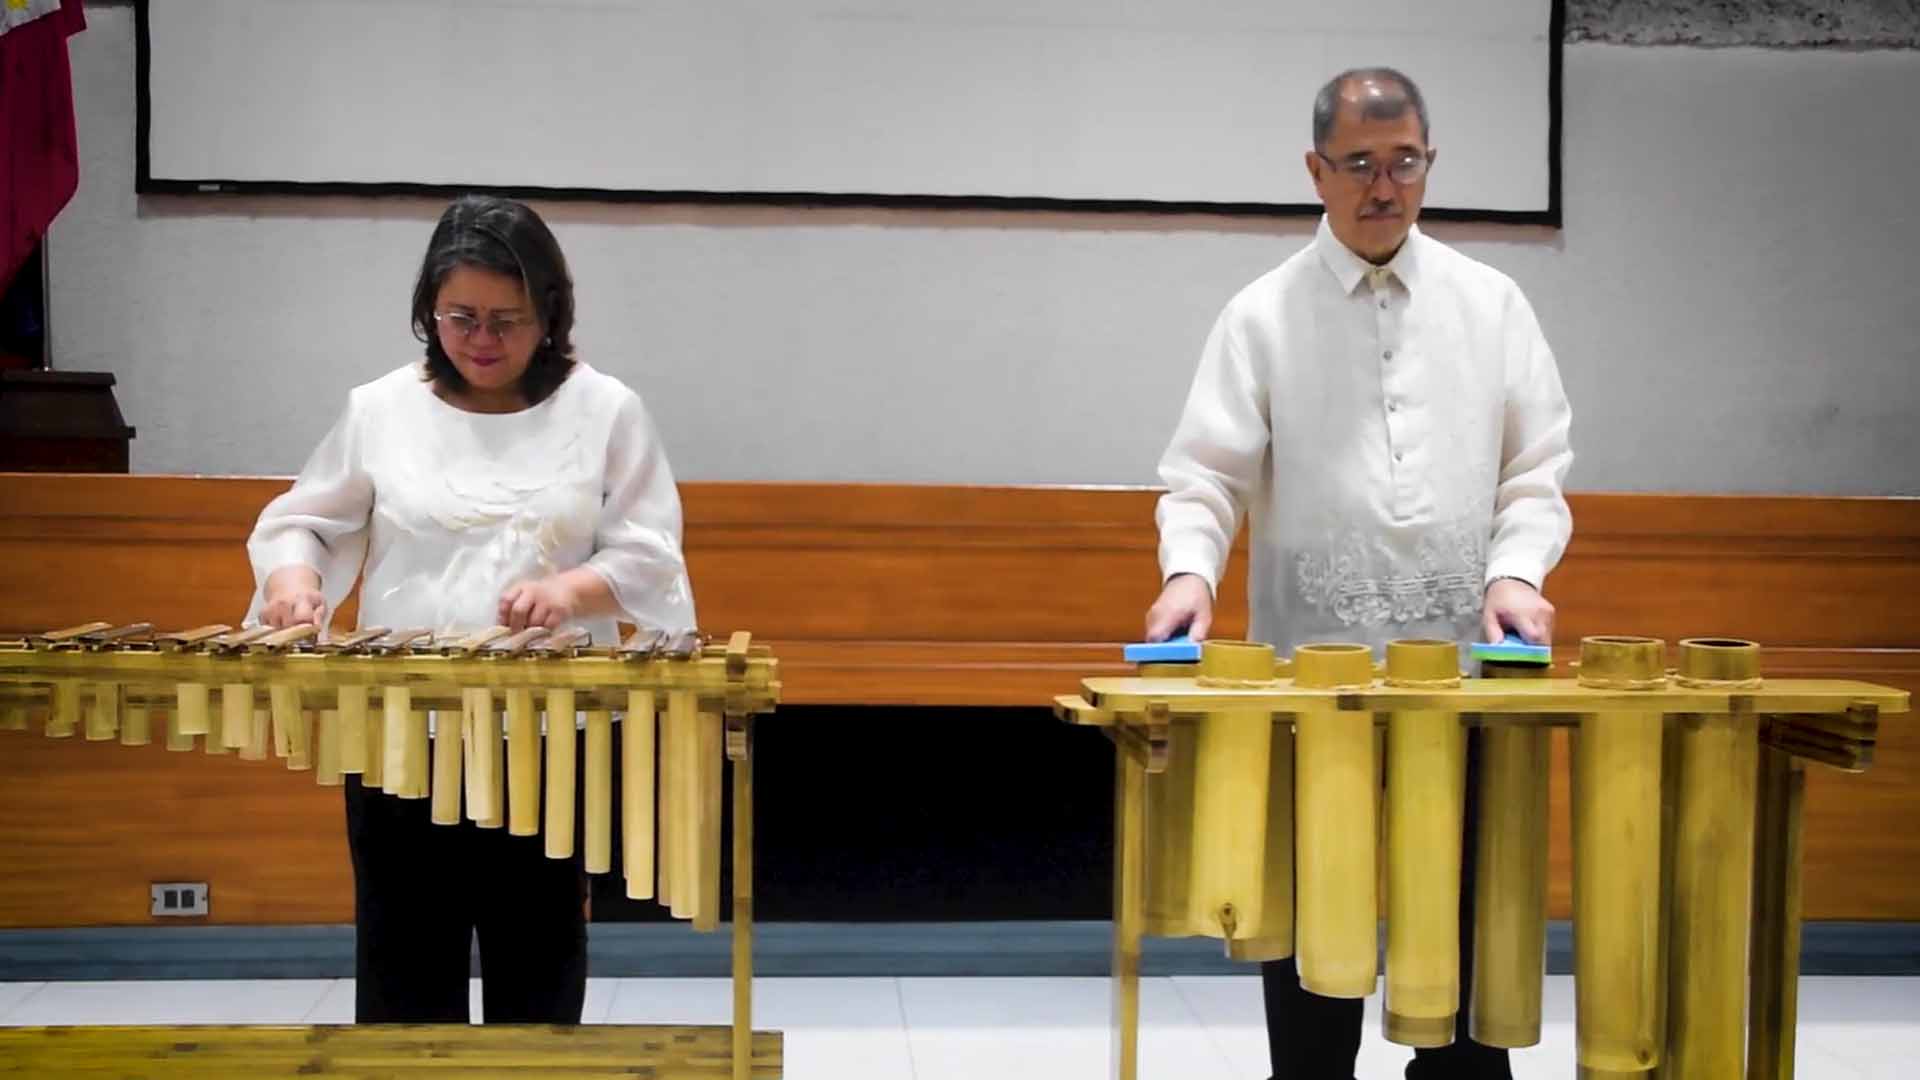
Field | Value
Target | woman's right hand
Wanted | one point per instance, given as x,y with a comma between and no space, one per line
293,598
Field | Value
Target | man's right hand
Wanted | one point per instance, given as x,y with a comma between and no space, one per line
293,599
1186,603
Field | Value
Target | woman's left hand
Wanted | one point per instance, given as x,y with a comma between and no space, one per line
548,602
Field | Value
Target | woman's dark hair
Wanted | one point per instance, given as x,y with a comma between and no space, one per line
505,237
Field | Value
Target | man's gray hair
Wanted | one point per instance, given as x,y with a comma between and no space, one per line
1385,107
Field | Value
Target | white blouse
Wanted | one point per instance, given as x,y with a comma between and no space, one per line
1397,437
441,509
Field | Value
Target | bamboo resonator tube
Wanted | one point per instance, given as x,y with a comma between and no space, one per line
489,727
1336,802
1248,803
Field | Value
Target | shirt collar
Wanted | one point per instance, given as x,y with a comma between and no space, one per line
1350,269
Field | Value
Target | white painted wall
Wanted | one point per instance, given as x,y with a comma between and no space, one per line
1732,300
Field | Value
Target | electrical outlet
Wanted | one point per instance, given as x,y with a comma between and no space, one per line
176,899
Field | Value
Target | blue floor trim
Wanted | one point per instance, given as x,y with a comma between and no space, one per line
780,949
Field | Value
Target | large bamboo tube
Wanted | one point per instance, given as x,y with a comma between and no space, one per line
637,794
449,744
326,758
599,791
236,715
523,764
480,725
353,729
1616,863
710,784
1232,758
1510,875
1336,804
190,706
1719,759
562,740
1426,797
1273,938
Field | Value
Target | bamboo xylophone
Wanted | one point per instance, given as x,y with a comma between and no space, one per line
1249,808
360,703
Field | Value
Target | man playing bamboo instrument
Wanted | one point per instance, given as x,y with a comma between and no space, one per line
1387,412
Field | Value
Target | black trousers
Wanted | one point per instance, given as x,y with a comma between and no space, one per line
1318,1038
422,891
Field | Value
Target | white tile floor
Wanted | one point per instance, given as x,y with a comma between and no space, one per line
1000,1029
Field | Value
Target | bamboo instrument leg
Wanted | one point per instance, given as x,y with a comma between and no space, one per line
743,912
637,794
1129,903
599,784
449,743
190,706
326,762
1337,816
1775,975
562,740
523,764
353,729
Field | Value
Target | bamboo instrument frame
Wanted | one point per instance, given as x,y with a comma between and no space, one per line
361,704
1698,758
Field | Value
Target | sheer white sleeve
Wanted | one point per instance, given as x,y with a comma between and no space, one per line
320,522
637,542
1214,459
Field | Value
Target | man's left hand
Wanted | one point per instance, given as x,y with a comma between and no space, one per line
1517,606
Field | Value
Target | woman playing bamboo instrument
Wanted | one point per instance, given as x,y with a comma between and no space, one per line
501,482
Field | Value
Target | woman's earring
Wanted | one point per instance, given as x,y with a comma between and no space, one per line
546,340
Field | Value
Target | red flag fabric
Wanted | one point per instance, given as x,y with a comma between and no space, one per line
39,150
